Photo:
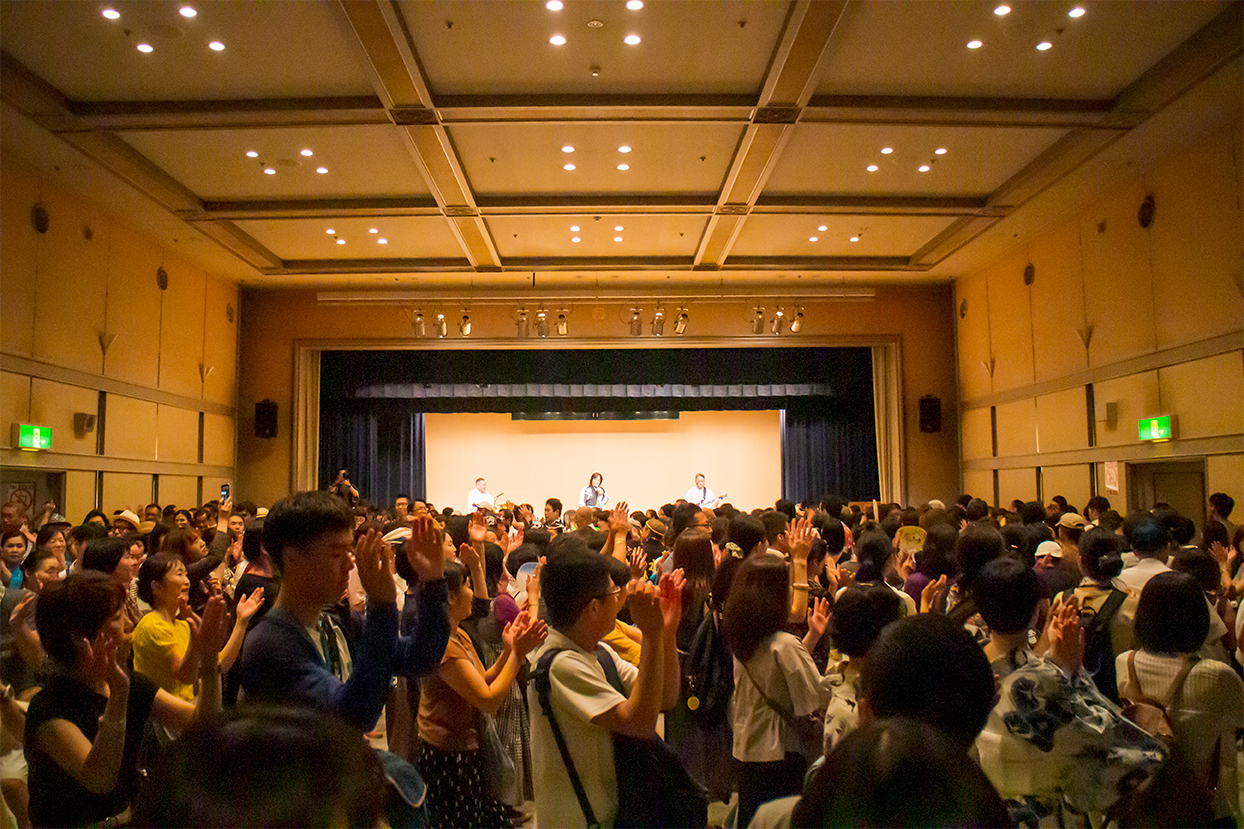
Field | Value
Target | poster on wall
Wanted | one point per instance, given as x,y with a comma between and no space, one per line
1112,476
21,493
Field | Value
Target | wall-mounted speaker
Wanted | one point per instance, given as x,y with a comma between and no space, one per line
83,424
265,419
930,413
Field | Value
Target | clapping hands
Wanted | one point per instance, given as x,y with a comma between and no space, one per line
425,549
524,634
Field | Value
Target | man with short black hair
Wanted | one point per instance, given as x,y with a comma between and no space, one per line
1219,509
552,511
401,507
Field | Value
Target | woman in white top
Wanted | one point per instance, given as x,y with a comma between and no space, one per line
1172,621
594,495
769,662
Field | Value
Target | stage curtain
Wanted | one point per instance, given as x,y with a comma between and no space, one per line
829,451
382,446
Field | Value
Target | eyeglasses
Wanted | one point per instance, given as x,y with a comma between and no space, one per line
615,591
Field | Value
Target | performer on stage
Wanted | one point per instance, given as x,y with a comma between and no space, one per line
594,495
701,495
479,496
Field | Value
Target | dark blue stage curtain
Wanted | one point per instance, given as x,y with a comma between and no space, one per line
826,451
381,445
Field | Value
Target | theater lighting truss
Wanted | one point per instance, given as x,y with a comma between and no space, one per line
561,325
796,322
442,324
636,322
758,321
417,323
680,322
523,324
658,322
542,322
464,325
779,321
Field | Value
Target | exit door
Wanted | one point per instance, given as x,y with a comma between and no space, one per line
1178,483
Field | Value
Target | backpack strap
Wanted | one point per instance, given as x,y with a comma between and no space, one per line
544,689
610,668
1137,693
1177,687
1133,680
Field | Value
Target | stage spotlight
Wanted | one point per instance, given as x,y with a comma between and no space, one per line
442,325
680,324
464,327
561,324
779,320
421,330
758,321
637,324
797,322
524,327
658,323
542,323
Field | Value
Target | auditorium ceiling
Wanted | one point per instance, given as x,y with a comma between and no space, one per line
490,144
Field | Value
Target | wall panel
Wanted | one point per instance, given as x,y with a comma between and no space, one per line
1010,320
1225,473
54,404
1136,396
218,440
126,490
971,295
1017,428
18,262
1062,421
14,403
132,428
977,434
181,330
79,495
978,483
179,434
1208,395
1017,483
1071,482
1057,303
133,309
180,490
220,340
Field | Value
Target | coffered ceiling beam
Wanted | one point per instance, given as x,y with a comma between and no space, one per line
788,86
231,114
389,56
313,209
618,264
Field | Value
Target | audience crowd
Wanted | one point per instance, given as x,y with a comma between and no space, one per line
327,661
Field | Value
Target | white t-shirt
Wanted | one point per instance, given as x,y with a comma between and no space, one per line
475,498
580,692
783,666
700,497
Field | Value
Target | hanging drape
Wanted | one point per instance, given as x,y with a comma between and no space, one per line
829,450
381,445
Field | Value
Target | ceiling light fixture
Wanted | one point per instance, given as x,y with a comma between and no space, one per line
1078,11
341,241
624,148
567,149
854,239
306,153
634,5
575,239
758,321
975,44
442,325
797,322
418,324
887,150
373,230
617,238
558,40
270,171
187,11
252,154
574,228
822,228
331,232
813,238
658,322
520,320
872,168
382,241
940,151
637,324
321,170
680,324
216,46
542,323
111,14
554,5
924,168
624,167
145,48
1002,11
464,327
631,40
568,167
1044,46
561,326
618,228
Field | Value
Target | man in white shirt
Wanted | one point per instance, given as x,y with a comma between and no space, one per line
479,496
700,495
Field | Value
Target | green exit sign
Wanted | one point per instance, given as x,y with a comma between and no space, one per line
1156,428
26,436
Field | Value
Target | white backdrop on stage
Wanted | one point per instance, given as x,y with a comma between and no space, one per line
644,462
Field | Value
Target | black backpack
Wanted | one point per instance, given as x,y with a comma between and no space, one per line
1098,648
707,675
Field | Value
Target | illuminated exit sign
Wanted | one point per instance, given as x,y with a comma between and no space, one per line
26,436
1156,428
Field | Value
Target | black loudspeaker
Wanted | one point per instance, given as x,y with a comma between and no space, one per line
265,419
930,413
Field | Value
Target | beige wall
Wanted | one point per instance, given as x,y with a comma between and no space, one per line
1162,309
60,293
644,462
273,321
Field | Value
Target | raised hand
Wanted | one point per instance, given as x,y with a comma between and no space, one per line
932,596
639,564
1067,637
373,558
906,563
530,635
519,534
619,518
818,617
1219,551
249,606
801,536
670,590
645,605
425,549
478,529
213,632
102,659
22,612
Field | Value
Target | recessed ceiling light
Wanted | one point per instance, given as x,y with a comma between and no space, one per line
1078,11
574,228
624,149
111,14
887,150
813,238
617,238
624,167
373,230
252,154
216,46
872,168
855,238
924,168
822,228
567,149
568,167
631,40
1002,10
618,228
554,5
187,11
1044,46
940,151
330,231
575,239
634,5
321,170
382,241
270,170
306,153
558,40
975,44
341,241
144,48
